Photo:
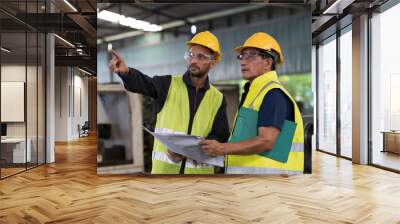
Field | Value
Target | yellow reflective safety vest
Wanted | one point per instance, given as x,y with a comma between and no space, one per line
257,164
174,118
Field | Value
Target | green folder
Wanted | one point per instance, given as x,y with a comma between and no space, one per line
283,143
246,128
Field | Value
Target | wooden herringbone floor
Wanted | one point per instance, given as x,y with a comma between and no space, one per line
70,191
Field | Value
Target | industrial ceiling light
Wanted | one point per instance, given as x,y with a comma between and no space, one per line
193,29
128,21
65,41
109,46
152,28
5,50
79,51
109,16
70,5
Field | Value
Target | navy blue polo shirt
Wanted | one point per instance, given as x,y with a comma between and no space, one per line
275,108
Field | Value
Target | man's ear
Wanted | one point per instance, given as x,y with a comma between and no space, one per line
212,64
268,64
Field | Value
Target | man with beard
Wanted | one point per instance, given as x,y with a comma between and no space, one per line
187,104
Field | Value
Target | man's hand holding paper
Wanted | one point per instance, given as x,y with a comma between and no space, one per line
187,146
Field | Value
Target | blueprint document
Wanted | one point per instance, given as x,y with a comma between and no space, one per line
187,145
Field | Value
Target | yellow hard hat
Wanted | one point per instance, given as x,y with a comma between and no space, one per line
208,40
262,41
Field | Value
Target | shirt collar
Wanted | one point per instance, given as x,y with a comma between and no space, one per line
246,86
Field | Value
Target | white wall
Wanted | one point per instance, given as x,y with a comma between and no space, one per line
71,94
15,73
33,126
61,103
80,103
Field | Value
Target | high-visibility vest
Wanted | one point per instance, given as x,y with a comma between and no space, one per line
174,118
257,164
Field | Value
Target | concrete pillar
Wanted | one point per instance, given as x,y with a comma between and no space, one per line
360,90
50,93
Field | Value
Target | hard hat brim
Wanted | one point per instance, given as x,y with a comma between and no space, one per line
239,49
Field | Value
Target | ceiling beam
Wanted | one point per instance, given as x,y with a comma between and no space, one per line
337,7
84,24
91,5
80,20
168,6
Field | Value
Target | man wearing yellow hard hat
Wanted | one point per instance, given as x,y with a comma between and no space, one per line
268,134
187,103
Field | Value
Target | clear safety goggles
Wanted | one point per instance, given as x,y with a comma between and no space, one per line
201,57
251,55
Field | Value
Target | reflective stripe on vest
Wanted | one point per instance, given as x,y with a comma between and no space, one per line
256,170
297,147
256,164
161,156
174,118
162,164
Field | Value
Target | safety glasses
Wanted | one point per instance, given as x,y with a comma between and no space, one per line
251,55
201,57
248,56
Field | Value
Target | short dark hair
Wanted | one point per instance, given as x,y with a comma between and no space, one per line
270,54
